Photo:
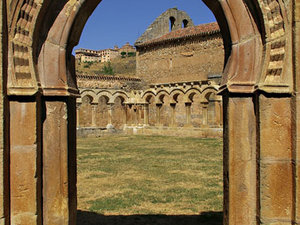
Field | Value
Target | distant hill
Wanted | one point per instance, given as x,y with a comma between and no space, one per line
120,67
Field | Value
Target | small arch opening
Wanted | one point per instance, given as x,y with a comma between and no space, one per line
185,23
172,23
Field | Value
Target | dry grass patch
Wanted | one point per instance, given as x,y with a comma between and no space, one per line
128,175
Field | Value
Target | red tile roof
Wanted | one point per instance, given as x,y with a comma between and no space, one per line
203,29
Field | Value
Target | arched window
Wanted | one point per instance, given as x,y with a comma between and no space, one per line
185,23
172,23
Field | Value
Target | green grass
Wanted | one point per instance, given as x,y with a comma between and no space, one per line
127,175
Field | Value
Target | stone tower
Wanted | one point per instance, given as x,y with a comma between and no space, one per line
170,20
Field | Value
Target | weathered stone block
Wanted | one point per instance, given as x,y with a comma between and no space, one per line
275,128
242,161
23,163
276,190
55,165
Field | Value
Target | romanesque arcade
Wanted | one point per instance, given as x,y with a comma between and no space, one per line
177,105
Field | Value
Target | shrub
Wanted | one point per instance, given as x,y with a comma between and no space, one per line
131,54
107,69
123,54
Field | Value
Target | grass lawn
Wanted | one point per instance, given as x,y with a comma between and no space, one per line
149,175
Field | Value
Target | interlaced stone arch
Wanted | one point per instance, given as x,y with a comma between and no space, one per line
105,93
261,39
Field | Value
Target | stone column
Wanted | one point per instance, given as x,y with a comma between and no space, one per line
188,107
204,114
25,163
59,162
146,114
42,155
158,110
110,114
135,119
219,114
141,112
126,115
4,124
78,114
173,115
296,63
258,160
94,115
240,164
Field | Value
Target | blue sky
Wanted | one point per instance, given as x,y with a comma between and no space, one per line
115,22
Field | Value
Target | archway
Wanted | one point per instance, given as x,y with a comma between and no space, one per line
103,113
260,113
85,112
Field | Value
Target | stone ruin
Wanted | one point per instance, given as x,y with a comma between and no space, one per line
260,91
174,92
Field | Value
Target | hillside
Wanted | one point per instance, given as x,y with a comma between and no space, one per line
120,67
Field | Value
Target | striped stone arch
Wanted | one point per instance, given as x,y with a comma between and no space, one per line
260,95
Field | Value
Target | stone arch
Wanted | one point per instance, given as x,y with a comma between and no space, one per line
210,105
85,111
205,93
160,96
105,94
118,111
175,93
192,99
102,117
259,44
91,94
172,22
185,23
150,99
163,102
191,93
119,94
147,95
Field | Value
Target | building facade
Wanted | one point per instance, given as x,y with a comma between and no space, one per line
104,55
178,75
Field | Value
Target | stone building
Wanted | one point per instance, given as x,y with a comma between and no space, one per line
105,55
178,108
261,102
171,20
87,55
178,76
186,54
128,49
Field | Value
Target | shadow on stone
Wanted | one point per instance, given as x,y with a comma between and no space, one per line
205,218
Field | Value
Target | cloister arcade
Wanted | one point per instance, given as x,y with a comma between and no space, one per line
194,105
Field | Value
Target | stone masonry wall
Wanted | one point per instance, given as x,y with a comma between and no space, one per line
188,61
161,25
